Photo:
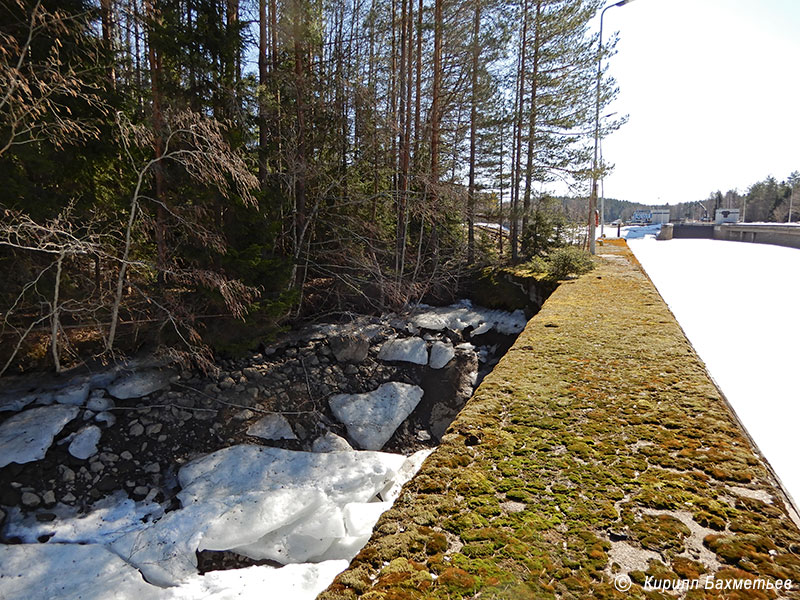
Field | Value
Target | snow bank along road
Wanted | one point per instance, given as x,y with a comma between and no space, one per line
596,455
738,305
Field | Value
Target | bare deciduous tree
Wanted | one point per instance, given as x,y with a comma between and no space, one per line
38,87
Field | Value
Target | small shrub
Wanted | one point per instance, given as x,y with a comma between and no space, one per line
537,265
567,261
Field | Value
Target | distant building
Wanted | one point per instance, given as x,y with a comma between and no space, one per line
654,216
727,215
659,215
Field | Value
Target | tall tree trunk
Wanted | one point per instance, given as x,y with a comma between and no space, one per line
154,59
263,76
301,158
418,103
374,96
526,201
436,94
473,124
108,40
518,129
402,180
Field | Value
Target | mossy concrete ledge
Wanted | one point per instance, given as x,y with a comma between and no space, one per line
598,447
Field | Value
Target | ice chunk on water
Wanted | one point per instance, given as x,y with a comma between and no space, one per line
343,476
300,541
25,437
84,444
462,315
372,418
413,350
441,354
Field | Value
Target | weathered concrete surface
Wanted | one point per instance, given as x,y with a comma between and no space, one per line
598,447
779,234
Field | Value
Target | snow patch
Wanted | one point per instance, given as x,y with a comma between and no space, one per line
462,315
69,571
108,519
749,344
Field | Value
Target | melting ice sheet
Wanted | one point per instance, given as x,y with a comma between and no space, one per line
311,511
737,303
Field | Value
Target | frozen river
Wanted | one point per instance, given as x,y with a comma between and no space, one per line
739,305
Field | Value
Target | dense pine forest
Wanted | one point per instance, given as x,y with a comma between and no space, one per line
189,171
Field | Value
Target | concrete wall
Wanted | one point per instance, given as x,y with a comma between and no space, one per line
779,234
760,233
703,231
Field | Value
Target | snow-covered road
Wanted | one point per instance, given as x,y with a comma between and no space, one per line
739,305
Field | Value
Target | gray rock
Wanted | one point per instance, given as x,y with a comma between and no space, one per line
330,442
349,347
106,418
272,427
140,383
49,498
152,468
68,498
106,484
154,429
66,474
136,430
30,500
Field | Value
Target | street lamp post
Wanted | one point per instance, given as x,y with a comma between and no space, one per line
593,195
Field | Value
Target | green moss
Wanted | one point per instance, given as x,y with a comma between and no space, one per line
596,421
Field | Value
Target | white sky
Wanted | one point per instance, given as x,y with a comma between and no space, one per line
712,88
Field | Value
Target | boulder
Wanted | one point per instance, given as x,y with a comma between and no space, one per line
330,442
349,347
272,427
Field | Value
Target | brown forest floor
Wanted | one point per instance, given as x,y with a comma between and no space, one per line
598,447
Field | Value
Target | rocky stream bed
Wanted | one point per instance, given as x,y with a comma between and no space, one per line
207,485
